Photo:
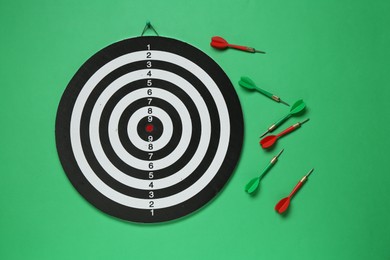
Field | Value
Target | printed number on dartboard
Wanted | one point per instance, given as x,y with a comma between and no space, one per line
149,115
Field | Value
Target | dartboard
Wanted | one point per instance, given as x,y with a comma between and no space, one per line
149,129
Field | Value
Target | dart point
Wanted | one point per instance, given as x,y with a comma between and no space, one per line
266,132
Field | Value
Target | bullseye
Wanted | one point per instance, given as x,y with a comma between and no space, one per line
149,128
145,131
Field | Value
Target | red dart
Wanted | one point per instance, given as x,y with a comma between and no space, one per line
285,202
220,43
270,140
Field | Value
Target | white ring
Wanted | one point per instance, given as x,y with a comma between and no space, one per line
181,196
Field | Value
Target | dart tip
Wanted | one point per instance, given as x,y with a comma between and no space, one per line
281,101
261,136
277,156
307,175
262,52
304,121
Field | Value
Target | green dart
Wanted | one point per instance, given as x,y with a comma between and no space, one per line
253,184
247,83
296,108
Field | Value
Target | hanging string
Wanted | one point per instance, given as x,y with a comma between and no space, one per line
147,27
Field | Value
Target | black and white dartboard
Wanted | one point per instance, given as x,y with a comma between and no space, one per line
149,129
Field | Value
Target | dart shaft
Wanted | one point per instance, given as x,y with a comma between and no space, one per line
288,130
271,163
281,121
239,47
244,48
296,188
292,128
270,95
265,93
300,183
266,169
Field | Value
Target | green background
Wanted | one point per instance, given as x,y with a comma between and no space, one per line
333,54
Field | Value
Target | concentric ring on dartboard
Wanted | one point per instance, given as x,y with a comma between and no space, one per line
157,164
133,129
165,172
107,145
124,119
124,136
114,137
147,127
208,181
183,184
131,171
95,139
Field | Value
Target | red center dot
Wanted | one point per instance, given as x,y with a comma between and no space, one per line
149,128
